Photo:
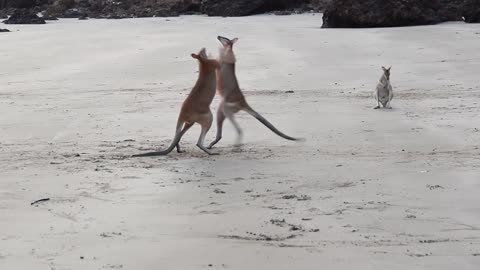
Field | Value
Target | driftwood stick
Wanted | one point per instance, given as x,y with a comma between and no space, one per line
41,200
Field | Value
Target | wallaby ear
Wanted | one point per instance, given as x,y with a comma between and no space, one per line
225,41
384,69
389,68
203,53
234,40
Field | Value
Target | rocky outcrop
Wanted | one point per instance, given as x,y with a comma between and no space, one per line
231,8
318,5
381,13
49,18
390,13
339,13
22,3
24,16
451,10
471,11
122,8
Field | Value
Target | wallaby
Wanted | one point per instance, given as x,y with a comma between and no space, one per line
196,107
233,100
384,90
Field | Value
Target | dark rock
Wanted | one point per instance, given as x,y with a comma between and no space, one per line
59,7
247,7
185,6
381,13
49,18
4,13
471,11
74,13
144,8
318,5
113,16
451,10
82,18
83,4
24,16
159,8
282,12
20,3
4,30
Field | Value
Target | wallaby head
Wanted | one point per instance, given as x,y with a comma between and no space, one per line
206,63
386,72
226,51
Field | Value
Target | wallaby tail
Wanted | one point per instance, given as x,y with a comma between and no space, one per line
175,141
268,124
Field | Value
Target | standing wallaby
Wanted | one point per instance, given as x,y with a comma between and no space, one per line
233,100
384,90
196,108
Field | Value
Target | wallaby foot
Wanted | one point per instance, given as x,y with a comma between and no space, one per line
210,146
377,107
238,145
179,150
206,150
238,141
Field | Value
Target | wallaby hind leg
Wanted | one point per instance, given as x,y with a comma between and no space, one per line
390,96
186,127
206,124
220,120
378,102
229,112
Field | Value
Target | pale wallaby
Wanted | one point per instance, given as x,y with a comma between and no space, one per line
196,107
384,90
233,100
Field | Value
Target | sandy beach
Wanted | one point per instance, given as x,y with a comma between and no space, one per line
367,189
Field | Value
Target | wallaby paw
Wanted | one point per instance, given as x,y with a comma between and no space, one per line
376,108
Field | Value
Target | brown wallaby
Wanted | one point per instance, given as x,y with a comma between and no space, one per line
233,100
196,107
384,90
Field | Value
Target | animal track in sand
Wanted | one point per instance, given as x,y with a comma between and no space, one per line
432,241
298,198
259,237
212,212
110,234
344,185
292,227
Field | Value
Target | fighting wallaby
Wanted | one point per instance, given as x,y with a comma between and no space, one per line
196,107
384,90
233,100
